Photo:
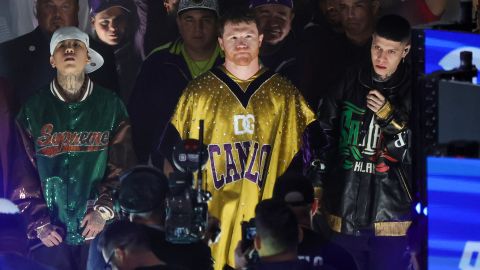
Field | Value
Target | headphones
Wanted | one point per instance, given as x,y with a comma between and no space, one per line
139,169
137,187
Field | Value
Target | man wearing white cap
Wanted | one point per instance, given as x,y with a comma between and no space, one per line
78,136
24,60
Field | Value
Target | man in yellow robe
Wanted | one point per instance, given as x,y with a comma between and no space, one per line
254,121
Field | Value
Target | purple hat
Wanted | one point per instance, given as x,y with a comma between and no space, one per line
257,3
97,6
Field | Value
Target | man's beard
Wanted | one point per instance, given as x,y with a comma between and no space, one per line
243,60
379,78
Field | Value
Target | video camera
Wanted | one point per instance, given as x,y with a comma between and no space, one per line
186,218
465,72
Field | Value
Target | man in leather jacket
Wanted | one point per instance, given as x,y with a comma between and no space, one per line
366,188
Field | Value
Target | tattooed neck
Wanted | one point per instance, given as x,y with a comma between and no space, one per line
71,83
71,86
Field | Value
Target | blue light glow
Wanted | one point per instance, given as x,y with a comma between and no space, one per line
453,212
418,208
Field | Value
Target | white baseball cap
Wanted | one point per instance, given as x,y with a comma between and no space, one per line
70,32
8,207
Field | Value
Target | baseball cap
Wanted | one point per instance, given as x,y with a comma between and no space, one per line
185,5
142,189
294,189
97,6
257,3
70,32
8,207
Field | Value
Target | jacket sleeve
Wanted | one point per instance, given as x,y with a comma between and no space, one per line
393,119
24,186
328,119
393,116
320,138
120,157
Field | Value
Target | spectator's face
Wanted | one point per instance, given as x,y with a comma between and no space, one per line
241,43
357,16
53,14
330,10
111,25
197,28
387,55
70,57
275,22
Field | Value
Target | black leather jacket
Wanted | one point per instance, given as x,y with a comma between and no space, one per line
367,184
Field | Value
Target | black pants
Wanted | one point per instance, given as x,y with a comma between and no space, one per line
376,252
63,256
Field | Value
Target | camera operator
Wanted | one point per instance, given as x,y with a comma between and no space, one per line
126,246
142,196
276,240
314,247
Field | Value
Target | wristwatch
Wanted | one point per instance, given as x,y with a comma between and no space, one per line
104,211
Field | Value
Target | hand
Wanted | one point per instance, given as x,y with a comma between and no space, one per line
212,234
375,100
93,223
240,257
49,235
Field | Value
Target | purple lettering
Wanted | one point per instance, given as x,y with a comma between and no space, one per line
263,168
230,165
213,148
248,174
243,150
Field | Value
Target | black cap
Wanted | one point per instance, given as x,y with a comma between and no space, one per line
142,189
97,6
294,189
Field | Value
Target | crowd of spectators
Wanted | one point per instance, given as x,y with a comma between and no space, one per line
93,99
